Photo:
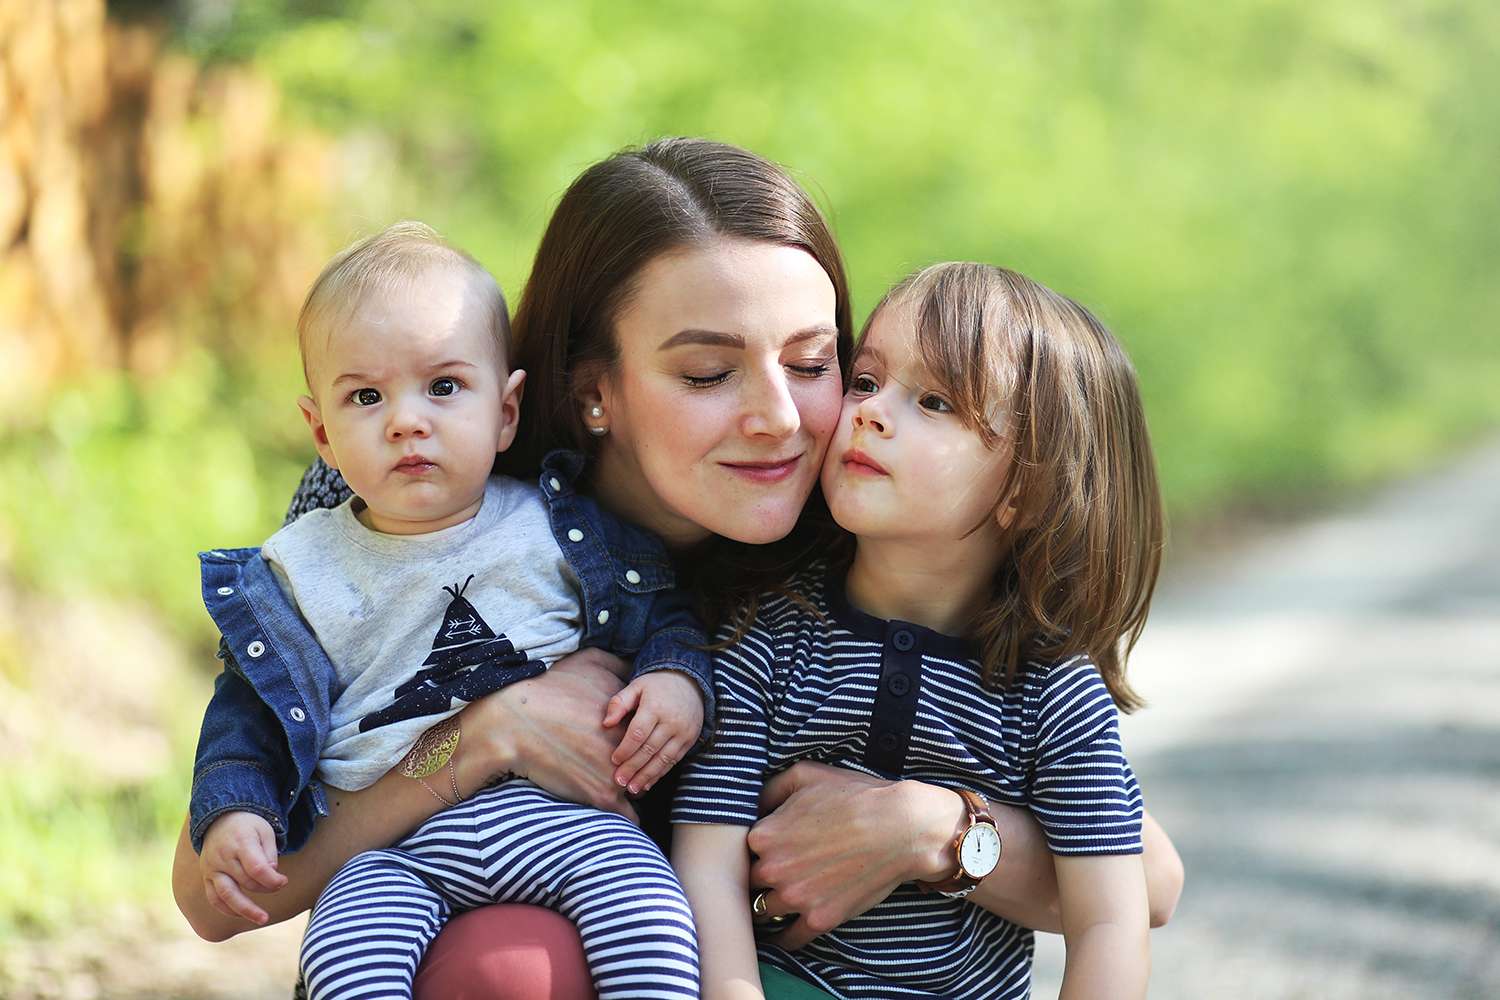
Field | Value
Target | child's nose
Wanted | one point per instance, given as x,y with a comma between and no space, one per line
408,420
866,416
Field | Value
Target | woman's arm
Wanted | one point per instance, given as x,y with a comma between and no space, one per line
546,728
834,842
713,864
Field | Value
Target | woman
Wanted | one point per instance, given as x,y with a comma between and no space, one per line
683,326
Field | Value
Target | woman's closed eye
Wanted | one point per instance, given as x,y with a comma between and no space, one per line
703,381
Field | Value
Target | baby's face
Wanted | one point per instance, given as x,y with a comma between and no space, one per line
411,401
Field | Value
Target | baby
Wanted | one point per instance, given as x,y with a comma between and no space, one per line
436,584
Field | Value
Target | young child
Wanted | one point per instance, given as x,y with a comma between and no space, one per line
436,584
993,465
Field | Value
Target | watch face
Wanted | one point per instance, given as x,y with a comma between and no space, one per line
980,851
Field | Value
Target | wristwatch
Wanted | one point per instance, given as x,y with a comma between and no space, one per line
977,848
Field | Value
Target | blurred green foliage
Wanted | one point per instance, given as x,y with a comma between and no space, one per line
1287,210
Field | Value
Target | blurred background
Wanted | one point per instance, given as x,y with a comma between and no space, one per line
1288,211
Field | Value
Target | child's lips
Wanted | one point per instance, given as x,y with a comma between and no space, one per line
414,465
857,461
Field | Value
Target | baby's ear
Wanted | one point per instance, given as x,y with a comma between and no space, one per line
510,409
314,417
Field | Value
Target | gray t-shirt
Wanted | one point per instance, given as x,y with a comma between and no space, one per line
411,622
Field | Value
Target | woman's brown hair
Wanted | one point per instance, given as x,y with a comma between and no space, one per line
618,216
1031,370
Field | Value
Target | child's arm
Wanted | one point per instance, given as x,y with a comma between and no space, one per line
239,856
713,864
668,717
1106,923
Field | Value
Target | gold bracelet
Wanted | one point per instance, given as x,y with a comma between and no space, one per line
432,750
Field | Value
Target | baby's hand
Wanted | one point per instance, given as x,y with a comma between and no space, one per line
239,856
668,718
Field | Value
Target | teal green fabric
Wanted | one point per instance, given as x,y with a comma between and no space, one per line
781,985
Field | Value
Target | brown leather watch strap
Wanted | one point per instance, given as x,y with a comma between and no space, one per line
979,812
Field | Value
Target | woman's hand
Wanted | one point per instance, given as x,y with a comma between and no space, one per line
832,843
548,729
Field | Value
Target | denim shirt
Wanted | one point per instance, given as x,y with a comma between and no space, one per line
268,719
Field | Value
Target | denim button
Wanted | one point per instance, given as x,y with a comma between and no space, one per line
903,640
898,684
298,715
225,591
554,483
255,649
574,535
631,576
888,741
603,617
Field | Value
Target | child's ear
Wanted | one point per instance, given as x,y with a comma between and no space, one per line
319,432
1009,509
510,409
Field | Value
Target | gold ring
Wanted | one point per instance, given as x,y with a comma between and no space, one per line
758,904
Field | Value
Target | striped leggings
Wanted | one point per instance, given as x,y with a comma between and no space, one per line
511,843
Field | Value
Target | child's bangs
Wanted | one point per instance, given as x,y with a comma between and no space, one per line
958,309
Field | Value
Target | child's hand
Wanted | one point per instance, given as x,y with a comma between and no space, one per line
239,856
668,718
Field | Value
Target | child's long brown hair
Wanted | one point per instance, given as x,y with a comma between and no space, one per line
1032,370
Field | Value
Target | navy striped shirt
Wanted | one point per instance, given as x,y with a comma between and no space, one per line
801,687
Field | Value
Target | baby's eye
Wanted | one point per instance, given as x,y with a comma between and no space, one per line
443,387
366,397
863,384
935,403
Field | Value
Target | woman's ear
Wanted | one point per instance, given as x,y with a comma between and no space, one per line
591,392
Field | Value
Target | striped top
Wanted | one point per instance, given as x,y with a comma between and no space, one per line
803,688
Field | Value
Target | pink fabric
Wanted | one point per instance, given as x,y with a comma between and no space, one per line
505,951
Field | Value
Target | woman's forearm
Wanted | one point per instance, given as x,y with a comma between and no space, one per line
370,818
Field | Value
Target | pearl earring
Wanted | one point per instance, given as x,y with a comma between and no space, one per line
596,412
598,431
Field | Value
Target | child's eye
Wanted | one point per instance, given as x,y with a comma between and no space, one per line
863,384
366,397
443,387
937,404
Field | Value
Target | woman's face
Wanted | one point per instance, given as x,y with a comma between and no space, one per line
726,394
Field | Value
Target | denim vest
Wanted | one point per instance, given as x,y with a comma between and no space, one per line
267,722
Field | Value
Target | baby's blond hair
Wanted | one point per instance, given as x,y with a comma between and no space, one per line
379,264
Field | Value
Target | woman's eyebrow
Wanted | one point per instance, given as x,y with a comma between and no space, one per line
712,338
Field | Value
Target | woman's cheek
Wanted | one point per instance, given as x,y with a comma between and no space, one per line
821,409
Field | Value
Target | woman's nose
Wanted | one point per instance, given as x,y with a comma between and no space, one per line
771,410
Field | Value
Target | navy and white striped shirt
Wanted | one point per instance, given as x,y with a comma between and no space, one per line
803,688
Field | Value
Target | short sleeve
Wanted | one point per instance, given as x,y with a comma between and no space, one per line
722,783
1083,791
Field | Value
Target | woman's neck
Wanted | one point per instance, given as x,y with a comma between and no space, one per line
898,581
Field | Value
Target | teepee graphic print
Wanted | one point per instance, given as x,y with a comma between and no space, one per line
462,627
468,660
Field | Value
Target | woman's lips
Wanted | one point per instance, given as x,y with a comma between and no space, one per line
770,471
